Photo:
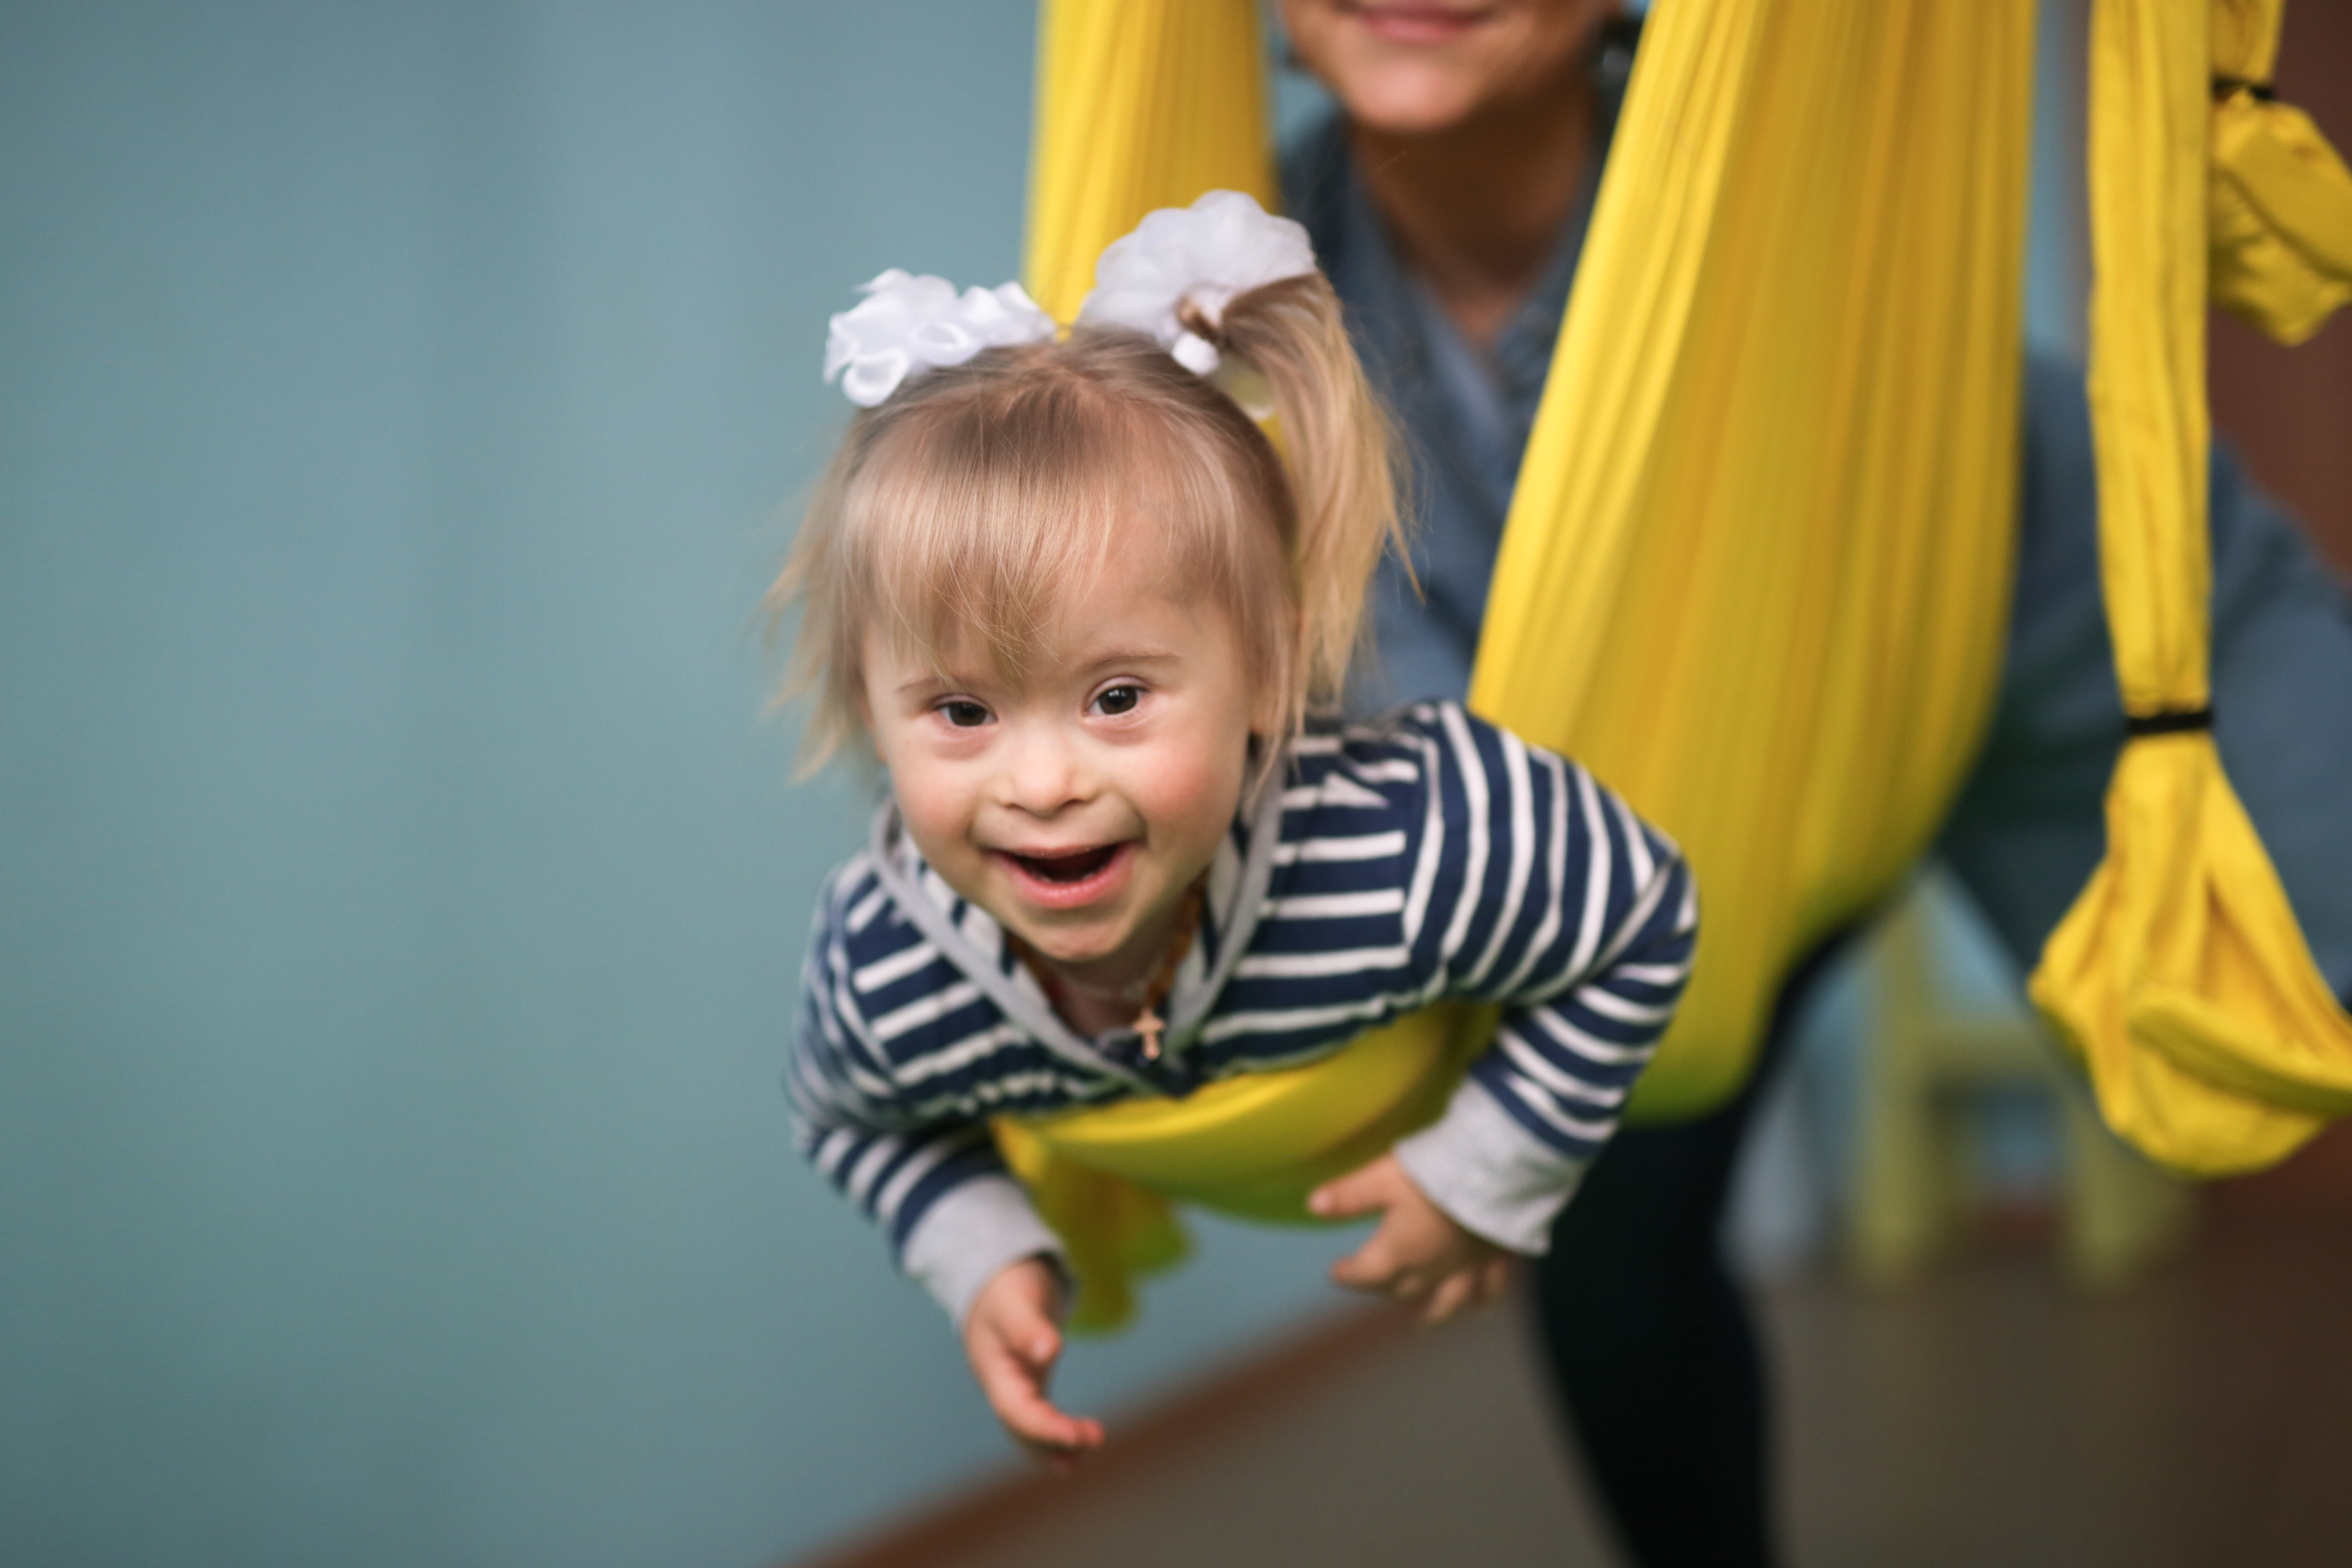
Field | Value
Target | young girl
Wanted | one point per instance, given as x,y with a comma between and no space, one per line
1082,606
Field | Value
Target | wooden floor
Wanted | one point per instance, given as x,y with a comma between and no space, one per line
1993,1416
1989,1416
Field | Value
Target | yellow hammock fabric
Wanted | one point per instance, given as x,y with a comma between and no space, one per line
1758,563
1140,104
1797,319
1252,1146
2180,976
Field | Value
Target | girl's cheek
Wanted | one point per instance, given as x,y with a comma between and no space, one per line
1198,786
928,798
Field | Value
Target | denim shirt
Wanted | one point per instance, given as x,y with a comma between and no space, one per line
1465,416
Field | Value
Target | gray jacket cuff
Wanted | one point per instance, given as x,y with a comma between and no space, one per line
1490,1176
970,1234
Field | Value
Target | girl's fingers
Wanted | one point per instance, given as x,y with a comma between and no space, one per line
1454,1292
1360,1192
1012,1360
1373,1267
1016,1392
1080,1436
1376,1269
1012,1342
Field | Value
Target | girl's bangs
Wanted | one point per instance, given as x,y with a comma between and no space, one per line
994,521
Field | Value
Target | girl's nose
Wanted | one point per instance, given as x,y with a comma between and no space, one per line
1044,771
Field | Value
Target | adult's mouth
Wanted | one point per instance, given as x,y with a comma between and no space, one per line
1419,23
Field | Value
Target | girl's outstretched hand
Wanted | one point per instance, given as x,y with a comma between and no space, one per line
1418,1253
1012,1338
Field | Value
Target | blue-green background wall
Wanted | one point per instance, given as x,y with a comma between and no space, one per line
400,894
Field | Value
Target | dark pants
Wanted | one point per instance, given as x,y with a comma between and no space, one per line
1648,1336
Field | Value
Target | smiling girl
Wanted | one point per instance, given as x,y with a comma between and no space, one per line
1084,610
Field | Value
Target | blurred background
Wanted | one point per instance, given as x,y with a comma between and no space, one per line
402,894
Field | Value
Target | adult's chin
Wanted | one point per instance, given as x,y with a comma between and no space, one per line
1411,70
1410,98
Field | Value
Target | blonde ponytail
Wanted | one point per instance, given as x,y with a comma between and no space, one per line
1340,447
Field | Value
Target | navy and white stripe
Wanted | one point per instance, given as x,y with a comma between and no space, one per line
1432,856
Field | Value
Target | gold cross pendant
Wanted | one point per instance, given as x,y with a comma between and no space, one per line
1148,1024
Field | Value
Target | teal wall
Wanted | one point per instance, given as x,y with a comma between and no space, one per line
399,893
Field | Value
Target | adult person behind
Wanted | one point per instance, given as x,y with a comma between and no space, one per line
1447,200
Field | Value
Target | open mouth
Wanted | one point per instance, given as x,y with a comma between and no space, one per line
1073,879
1065,870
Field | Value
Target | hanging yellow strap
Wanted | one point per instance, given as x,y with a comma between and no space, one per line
1757,565
2180,975
2281,221
1140,104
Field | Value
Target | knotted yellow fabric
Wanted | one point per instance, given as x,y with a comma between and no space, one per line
2280,220
2180,976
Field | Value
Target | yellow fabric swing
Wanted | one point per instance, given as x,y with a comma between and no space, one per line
2180,976
1797,319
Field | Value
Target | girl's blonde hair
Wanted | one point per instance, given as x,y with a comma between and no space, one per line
969,501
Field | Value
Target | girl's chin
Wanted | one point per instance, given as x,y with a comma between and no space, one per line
1107,956
1097,969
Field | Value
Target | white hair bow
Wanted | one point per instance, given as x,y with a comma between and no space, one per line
1200,256
905,323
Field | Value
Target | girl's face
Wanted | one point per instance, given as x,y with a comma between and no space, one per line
1078,803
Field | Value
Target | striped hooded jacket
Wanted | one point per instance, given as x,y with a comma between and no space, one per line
1428,855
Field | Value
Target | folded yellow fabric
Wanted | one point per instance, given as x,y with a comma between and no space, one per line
2180,976
2281,221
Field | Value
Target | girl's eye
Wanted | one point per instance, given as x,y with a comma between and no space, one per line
963,714
1120,700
